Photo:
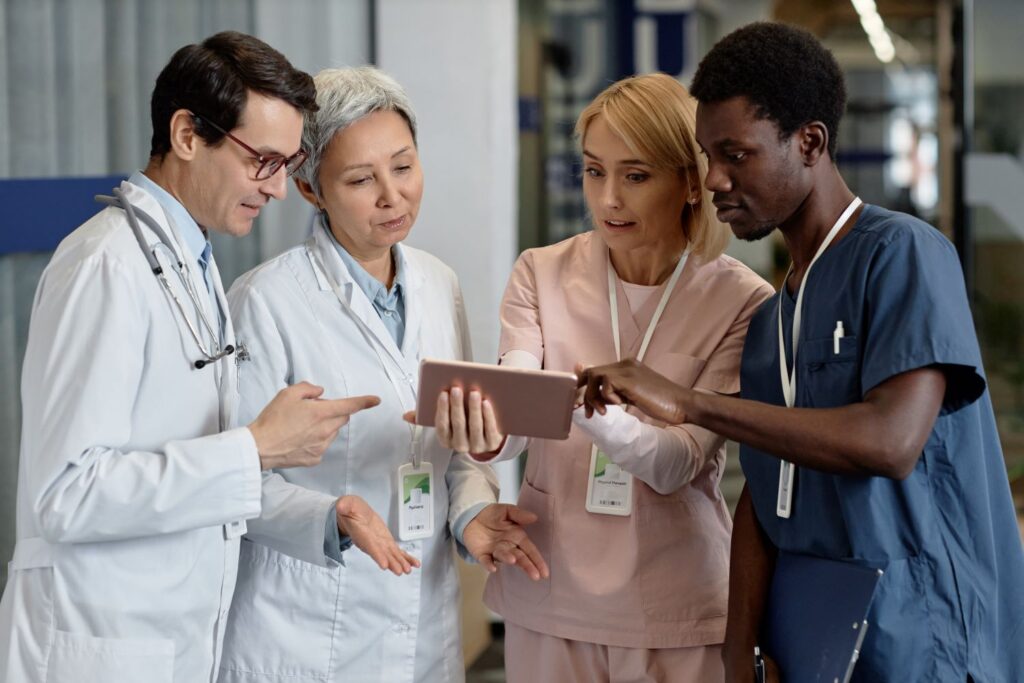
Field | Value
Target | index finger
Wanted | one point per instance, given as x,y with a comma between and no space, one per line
340,407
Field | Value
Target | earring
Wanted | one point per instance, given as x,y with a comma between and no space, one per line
692,201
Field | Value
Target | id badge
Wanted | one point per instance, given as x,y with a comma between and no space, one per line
415,501
784,503
609,487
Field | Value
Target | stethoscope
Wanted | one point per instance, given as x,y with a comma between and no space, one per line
211,354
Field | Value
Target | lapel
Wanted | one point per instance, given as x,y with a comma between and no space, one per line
227,369
143,200
414,304
323,251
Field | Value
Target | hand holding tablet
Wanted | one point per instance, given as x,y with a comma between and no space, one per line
535,403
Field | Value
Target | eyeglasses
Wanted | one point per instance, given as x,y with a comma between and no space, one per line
269,164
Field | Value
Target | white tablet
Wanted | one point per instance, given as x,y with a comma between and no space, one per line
535,403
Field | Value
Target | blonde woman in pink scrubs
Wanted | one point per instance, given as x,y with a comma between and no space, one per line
631,520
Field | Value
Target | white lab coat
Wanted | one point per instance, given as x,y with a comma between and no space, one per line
130,501
298,615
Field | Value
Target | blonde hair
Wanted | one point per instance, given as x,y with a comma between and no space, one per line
656,117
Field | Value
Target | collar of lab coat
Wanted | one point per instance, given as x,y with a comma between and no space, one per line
322,245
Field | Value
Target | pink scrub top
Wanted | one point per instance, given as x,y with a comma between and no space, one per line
659,577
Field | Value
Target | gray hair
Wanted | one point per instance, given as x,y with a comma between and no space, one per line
344,96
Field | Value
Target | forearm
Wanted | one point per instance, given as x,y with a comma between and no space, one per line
751,566
860,439
108,494
292,521
664,458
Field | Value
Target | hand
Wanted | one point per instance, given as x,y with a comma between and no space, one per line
496,535
466,427
369,533
629,382
297,426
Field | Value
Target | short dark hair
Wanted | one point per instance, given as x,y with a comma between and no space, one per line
784,71
213,79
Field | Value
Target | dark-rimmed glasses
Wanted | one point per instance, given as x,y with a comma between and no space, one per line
269,164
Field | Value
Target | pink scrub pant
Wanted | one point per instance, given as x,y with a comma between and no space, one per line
532,657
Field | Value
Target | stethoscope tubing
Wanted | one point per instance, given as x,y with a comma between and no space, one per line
210,354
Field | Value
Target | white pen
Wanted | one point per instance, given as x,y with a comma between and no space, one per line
836,336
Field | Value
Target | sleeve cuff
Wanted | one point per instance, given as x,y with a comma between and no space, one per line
459,529
334,543
250,492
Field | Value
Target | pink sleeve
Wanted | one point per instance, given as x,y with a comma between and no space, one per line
520,312
721,374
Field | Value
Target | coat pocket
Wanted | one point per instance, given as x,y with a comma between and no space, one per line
281,624
77,657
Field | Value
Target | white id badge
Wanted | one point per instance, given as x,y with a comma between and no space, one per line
784,503
609,487
415,501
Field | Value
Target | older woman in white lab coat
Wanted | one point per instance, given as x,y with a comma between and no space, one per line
356,309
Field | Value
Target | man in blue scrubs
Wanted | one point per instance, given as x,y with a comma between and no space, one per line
889,425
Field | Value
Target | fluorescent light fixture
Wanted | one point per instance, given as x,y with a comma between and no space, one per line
874,27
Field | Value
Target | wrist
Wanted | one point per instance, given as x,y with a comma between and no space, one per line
689,406
487,455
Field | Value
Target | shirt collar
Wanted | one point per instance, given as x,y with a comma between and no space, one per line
190,232
373,288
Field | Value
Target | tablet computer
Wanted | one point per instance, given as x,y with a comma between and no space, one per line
535,403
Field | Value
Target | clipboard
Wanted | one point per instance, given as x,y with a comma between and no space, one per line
816,616
536,403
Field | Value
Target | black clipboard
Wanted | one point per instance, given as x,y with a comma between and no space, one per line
816,616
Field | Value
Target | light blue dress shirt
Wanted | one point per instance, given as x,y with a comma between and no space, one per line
389,304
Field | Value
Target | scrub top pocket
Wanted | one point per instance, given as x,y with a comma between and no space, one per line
830,379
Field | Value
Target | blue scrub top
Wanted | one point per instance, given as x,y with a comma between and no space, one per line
951,601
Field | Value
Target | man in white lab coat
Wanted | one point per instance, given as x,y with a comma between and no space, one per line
132,489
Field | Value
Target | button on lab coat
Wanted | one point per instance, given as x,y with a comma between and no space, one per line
126,548
298,615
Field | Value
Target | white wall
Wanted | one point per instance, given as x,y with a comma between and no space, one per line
457,61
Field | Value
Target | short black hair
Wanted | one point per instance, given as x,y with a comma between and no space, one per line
784,71
213,79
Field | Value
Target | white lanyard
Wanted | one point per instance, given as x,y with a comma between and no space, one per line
787,471
613,300
415,431
609,487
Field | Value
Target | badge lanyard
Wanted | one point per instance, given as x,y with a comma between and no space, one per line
787,470
609,488
415,491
